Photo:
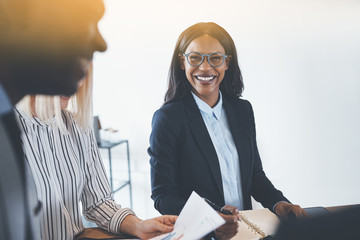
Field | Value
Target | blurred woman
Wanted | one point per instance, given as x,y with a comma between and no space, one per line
62,153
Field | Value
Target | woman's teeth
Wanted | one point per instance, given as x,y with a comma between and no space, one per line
206,79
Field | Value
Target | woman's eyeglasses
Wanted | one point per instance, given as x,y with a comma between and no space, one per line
195,59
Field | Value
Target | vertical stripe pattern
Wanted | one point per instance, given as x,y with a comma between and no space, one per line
68,169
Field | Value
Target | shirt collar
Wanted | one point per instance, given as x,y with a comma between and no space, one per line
205,108
5,104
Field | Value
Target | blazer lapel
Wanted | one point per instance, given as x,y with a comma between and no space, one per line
202,137
241,139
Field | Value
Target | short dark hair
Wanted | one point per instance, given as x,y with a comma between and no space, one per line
178,86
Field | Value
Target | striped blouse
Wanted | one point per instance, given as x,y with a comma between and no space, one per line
67,169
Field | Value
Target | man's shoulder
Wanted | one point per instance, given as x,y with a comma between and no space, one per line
11,205
5,104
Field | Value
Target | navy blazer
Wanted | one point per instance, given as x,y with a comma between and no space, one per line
183,158
19,205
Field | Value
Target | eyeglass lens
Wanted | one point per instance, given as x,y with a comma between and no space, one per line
215,59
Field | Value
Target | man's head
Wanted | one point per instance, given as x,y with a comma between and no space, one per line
42,42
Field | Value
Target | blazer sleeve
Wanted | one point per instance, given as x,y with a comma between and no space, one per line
262,189
164,153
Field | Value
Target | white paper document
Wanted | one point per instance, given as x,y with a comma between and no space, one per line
196,220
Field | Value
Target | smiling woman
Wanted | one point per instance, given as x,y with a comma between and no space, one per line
205,79
203,138
203,39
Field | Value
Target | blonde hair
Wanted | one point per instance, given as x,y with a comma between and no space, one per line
47,108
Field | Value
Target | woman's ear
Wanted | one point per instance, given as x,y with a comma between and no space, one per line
227,62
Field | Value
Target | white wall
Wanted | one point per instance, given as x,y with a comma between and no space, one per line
300,62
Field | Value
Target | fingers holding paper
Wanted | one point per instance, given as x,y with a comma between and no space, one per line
230,228
164,223
146,229
157,226
166,220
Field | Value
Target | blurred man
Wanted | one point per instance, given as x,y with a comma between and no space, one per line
41,45
42,48
339,225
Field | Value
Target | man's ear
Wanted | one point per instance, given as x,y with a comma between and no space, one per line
227,62
182,62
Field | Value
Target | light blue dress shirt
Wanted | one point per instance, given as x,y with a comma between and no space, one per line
218,127
5,104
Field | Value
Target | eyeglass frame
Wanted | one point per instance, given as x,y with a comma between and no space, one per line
203,57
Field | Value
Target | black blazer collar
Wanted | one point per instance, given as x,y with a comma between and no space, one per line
202,137
236,116
237,122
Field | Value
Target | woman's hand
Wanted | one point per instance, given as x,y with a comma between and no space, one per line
233,210
146,229
287,210
230,228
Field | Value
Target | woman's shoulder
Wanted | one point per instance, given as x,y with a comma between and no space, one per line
170,114
172,108
71,122
19,113
239,102
22,118
26,119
